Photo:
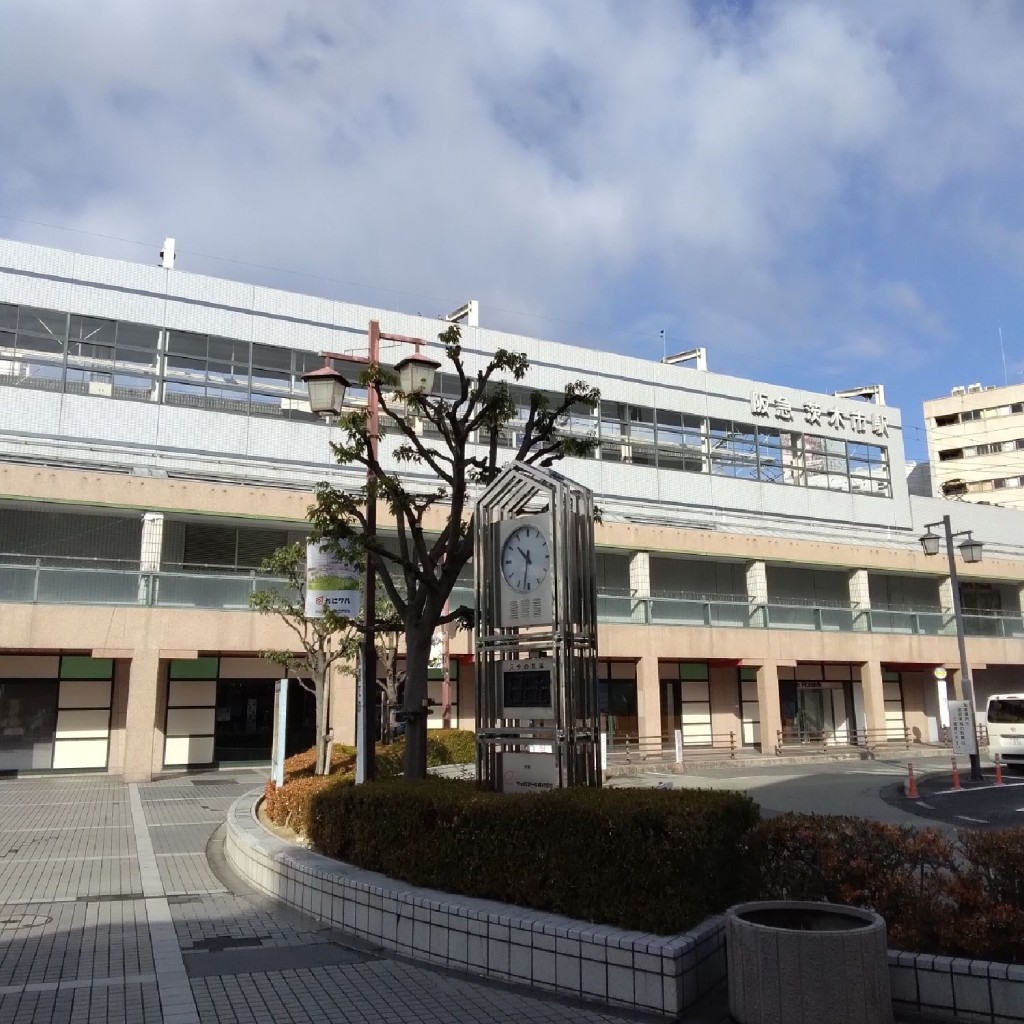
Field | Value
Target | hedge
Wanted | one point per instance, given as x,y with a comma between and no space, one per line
960,896
655,861
289,805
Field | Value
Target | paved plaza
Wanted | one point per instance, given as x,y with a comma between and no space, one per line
116,906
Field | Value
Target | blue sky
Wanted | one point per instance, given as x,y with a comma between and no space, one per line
823,193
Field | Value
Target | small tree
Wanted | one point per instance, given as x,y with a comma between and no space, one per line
387,639
323,642
461,453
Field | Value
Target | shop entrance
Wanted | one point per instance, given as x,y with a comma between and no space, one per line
244,726
816,704
28,724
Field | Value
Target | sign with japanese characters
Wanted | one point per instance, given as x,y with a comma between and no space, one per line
331,583
814,414
961,728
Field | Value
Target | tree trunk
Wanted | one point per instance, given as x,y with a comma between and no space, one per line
417,658
320,691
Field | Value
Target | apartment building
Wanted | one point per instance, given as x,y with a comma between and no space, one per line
976,444
761,581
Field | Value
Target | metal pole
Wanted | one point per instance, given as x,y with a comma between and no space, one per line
368,734
965,672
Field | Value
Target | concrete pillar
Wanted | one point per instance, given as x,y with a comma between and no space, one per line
757,596
152,541
860,598
648,696
343,705
150,553
768,710
640,583
946,601
141,718
874,701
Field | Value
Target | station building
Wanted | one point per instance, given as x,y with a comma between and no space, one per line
761,581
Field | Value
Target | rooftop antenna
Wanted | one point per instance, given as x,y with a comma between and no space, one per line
664,351
1006,379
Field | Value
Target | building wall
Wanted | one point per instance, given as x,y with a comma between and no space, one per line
971,425
84,470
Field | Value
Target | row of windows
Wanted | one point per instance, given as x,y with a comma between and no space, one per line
45,349
999,484
979,414
992,448
88,355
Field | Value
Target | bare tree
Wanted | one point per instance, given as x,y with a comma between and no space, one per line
461,453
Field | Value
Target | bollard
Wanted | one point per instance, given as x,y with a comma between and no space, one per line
956,775
999,771
911,787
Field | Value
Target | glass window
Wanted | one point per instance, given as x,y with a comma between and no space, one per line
42,321
1006,711
91,330
733,449
8,317
780,456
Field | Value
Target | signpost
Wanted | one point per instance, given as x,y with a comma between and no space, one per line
961,728
943,695
278,753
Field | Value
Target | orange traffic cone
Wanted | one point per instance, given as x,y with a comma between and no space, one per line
911,787
999,771
956,775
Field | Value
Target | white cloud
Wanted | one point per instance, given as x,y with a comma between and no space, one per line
580,159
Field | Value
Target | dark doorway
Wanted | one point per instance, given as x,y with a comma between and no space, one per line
28,723
245,720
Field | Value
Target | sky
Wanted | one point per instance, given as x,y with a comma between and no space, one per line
823,193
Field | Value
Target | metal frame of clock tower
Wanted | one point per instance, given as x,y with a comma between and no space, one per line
536,646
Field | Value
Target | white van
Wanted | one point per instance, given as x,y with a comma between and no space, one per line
1005,715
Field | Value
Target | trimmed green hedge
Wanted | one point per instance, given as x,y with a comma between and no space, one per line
650,860
444,746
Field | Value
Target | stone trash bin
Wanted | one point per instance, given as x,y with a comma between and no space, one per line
807,963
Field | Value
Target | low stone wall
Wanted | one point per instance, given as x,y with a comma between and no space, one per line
638,971
962,990
630,969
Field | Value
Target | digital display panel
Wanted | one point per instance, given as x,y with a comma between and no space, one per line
527,689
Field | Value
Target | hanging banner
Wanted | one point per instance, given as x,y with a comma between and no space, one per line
331,583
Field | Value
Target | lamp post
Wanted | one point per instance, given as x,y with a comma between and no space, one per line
326,388
971,551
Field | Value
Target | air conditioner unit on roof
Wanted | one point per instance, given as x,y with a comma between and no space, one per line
973,389
960,390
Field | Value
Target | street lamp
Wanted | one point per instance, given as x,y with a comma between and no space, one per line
971,551
326,388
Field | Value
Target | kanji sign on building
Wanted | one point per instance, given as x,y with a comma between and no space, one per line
961,728
762,404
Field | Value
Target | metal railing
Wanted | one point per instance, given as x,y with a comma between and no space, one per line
56,580
50,584
819,741
634,750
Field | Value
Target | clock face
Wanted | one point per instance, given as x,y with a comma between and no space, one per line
525,559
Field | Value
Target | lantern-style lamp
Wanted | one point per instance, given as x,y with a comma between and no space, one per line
971,549
930,543
416,374
326,389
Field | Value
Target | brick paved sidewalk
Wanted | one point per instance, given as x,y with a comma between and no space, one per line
115,906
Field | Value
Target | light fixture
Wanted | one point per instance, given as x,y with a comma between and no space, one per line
971,549
416,374
326,389
930,542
